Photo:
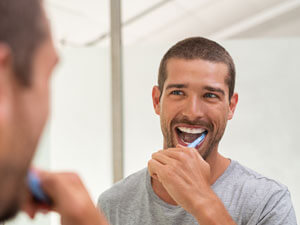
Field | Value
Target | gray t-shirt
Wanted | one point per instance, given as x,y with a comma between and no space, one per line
248,197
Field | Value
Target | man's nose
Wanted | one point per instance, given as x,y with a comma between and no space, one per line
193,108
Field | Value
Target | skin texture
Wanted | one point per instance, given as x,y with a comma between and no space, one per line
194,95
23,114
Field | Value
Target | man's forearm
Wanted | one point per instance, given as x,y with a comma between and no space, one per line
211,211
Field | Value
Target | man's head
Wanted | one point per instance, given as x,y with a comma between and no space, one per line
27,57
198,48
195,93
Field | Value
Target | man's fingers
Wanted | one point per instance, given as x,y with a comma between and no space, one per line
52,183
180,146
168,156
48,183
181,151
29,210
154,176
179,154
59,186
155,168
30,207
161,157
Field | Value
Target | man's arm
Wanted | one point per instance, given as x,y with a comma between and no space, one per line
186,177
69,198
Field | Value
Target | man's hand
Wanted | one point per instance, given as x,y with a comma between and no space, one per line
70,199
183,173
186,177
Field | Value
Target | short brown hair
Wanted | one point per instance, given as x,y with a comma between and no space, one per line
198,48
22,29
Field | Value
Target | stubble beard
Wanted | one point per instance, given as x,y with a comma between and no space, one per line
213,142
10,196
9,212
12,187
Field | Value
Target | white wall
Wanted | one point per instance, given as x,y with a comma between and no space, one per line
80,133
80,122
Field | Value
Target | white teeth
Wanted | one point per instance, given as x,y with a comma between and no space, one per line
191,130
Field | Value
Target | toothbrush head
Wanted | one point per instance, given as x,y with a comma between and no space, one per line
197,141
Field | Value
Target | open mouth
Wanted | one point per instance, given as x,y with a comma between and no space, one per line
187,135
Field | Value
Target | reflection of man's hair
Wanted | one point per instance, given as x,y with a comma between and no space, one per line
22,29
198,48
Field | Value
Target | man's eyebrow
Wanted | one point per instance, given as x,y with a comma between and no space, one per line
214,89
176,86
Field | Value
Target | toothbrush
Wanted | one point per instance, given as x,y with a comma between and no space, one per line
34,185
197,141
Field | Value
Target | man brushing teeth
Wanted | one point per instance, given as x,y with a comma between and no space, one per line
183,185
187,135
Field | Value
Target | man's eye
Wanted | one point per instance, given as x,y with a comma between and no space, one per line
176,92
210,95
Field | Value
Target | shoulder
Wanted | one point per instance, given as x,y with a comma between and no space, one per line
251,197
266,198
124,190
254,182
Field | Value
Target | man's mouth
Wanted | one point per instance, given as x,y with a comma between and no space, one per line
186,135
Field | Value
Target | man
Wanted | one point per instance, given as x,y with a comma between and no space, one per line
195,95
27,58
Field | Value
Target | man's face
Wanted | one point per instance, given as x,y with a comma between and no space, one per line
194,100
28,110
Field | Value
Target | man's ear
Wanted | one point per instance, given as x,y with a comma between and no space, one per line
6,79
156,99
233,102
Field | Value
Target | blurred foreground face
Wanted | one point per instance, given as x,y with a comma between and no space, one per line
23,114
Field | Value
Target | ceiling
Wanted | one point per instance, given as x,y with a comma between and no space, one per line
78,22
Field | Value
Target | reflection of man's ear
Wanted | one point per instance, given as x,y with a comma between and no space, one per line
5,81
233,102
156,99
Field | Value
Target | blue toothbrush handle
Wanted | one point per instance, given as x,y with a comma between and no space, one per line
34,185
197,141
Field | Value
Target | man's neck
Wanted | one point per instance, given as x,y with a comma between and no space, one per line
218,165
